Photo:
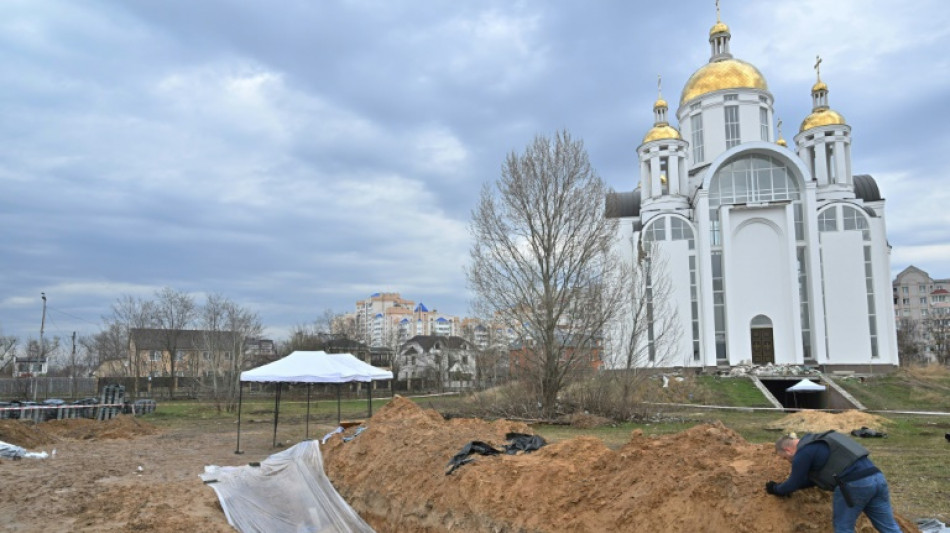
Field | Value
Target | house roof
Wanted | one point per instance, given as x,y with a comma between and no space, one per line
188,339
451,342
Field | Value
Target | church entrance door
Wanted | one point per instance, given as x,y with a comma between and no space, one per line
763,347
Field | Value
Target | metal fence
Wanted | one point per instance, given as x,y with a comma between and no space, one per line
42,388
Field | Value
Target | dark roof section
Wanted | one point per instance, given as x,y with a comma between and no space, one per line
623,204
451,342
866,188
188,339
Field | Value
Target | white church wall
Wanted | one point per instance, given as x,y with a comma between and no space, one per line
760,280
676,257
846,308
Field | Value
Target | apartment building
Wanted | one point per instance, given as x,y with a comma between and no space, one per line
922,312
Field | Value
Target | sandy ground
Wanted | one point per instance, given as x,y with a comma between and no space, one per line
704,479
93,483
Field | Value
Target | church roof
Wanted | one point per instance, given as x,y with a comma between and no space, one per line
866,188
721,75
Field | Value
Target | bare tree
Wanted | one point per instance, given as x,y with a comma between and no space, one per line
937,332
909,340
174,312
647,329
110,344
128,313
7,353
241,324
543,260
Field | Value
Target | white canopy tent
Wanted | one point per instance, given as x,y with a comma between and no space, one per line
309,368
806,385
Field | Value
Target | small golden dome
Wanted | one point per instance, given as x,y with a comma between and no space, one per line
660,132
659,103
726,74
822,117
819,86
781,142
719,27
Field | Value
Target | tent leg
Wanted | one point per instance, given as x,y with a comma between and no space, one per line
276,412
369,399
307,436
338,419
237,450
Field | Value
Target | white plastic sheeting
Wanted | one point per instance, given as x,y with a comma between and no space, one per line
316,367
288,492
12,451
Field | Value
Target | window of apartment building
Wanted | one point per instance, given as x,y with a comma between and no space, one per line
940,298
227,356
732,124
179,355
905,301
696,125
923,301
764,123
906,312
155,355
905,290
921,289
923,312
206,355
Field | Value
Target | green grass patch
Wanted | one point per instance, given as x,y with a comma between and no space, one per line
732,391
908,389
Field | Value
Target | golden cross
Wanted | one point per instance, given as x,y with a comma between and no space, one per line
659,85
717,11
818,66
779,126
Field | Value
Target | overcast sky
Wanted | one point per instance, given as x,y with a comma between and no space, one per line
298,156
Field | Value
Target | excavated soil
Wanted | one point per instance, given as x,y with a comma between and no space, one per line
707,478
817,421
127,475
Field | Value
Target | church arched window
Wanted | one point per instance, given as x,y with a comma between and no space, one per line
753,179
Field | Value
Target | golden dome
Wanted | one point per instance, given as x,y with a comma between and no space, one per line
819,86
781,142
659,103
719,27
661,131
726,74
822,117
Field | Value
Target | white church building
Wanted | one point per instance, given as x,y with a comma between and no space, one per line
772,253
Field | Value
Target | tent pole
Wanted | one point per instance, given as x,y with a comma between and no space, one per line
237,450
307,437
338,404
369,398
276,412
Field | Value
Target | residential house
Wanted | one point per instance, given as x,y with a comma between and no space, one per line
436,361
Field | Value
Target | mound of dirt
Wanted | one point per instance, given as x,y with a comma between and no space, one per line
817,421
707,478
29,435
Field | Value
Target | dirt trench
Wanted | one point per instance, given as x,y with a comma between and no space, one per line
707,478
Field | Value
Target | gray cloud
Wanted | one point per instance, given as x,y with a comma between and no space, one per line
302,156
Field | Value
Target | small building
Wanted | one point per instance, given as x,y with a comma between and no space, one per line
30,366
436,361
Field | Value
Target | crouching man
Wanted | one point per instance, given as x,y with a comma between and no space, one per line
835,462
